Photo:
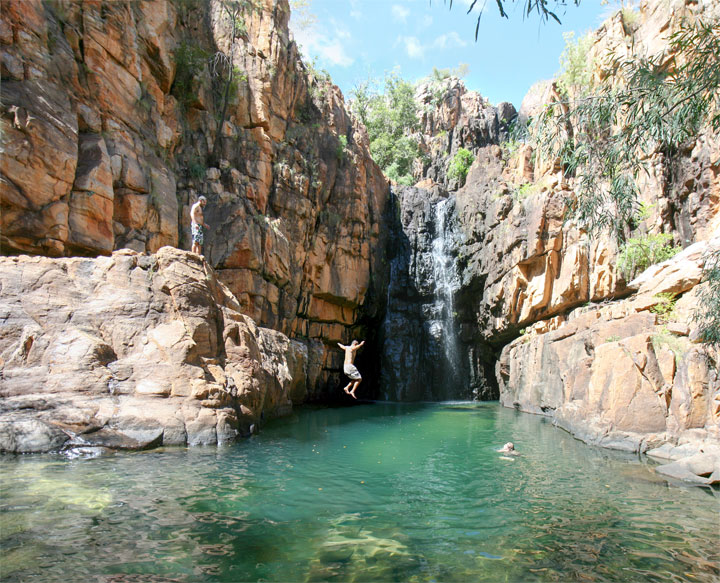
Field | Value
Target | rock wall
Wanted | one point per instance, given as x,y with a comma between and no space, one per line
133,351
518,264
630,374
113,120
427,353
615,363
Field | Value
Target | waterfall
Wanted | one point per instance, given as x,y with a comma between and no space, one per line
422,358
442,328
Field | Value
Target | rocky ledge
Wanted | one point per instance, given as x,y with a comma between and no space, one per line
629,374
133,351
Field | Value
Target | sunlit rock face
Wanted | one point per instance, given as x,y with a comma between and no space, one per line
113,123
609,360
518,262
133,351
625,375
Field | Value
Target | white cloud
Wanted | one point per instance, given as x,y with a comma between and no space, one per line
339,30
413,47
426,21
400,13
356,10
450,40
416,50
328,48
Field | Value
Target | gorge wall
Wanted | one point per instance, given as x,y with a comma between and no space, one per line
114,120
614,362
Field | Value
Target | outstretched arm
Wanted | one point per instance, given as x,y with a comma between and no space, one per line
341,346
359,345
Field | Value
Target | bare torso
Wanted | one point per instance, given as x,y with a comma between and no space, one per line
351,350
196,213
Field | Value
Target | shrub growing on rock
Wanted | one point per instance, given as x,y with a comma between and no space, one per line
390,118
460,165
639,253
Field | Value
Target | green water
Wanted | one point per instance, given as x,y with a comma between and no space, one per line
370,493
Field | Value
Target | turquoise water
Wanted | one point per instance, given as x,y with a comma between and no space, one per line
369,493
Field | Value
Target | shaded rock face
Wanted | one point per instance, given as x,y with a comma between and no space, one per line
420,358
428,352
425,356
113,124
624,375
133,351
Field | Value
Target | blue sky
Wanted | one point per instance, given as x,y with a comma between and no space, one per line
359,39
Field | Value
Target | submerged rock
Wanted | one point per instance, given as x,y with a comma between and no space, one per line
702,468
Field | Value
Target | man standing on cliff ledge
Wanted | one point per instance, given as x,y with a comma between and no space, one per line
350,369
197,224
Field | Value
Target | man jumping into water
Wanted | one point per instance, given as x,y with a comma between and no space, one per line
350,369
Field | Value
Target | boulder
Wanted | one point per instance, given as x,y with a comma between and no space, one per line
134,351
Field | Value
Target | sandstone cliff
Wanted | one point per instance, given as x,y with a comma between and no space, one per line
630,374
134,351
620,373
114,120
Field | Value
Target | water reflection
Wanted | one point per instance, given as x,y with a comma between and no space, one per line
383,493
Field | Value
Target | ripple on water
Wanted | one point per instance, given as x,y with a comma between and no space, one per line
382,493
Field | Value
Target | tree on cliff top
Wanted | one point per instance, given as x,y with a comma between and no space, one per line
390,117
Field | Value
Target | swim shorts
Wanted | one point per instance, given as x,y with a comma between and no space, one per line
197,233
352,371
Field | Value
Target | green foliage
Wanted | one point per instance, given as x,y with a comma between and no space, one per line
518,134
189,61
197,168
665,308
390,118
441,74
641,107
613,338
342,145
301,15
524,191
576,65
641,252
630,16
460,164
643,212
316,73
707,314
226,74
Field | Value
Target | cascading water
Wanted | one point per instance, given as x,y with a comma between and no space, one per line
445,280
422,357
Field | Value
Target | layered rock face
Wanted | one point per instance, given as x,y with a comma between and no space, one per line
117,115
628,375
600,355
426,354
622,373
133,351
